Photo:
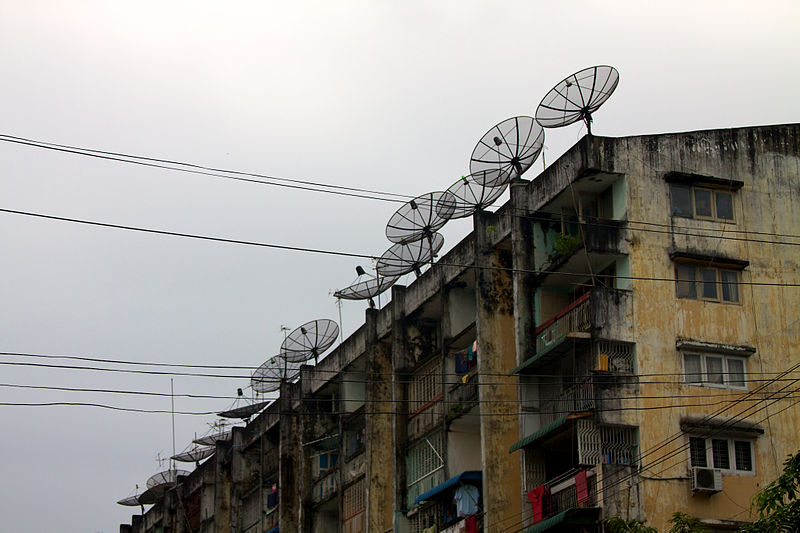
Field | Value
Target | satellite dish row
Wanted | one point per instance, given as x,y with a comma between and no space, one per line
501,155
504,153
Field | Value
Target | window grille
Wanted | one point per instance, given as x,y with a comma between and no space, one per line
535,474
425,518
617,356
606,444
354,498
425,385
424,467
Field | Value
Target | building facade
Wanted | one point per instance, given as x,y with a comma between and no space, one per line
619,339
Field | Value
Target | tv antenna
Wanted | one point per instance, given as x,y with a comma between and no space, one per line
309,341
366,287
417,219
402,258
577,97
511,147
468,195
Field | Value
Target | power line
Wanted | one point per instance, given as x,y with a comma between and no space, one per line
349,254
207,171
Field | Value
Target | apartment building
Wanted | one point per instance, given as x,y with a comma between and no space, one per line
620,338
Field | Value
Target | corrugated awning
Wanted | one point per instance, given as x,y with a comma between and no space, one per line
538,434
474,476
578,515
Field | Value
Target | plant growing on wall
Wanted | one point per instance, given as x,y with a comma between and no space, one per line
777,504
563,245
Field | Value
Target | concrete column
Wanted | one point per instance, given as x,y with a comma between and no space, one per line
238,476
524,265
378,418
496,358
222,489
306,422
288,476
402,362
522,259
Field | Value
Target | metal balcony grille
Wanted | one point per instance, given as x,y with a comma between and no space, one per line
606,444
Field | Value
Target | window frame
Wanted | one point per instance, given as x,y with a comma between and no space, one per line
731,454
693,190
704,381
697,284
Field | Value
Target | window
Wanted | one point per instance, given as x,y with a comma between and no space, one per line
714,370
701,202
700,282
730,455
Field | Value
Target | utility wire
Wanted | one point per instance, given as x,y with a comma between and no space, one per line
207,171
348,254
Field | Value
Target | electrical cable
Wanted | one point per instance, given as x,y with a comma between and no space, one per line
348,254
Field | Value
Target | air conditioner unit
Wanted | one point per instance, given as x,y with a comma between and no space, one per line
708,480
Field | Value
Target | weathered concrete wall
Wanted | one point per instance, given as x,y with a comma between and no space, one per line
766,160
497,356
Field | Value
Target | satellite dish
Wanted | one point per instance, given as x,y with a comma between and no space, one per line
404,258
417,219
366,287
511,147
467,195
211,440
268,377
309,340
244,412
194,455
577,97
131,501
163,480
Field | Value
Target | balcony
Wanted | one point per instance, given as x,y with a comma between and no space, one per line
462,396
578,398
325,487
601,312
568,500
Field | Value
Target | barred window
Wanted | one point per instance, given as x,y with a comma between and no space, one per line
718,452
425,386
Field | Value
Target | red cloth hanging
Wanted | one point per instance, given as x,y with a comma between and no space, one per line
582,487
471,525
540,501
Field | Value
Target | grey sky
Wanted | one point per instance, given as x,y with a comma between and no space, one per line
381,95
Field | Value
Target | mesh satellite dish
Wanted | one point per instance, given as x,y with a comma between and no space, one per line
366,287
577,97
244,412
468,195
131,501
417,219
402,258
309,341
165,478
211,440
268,377
511,147
195,455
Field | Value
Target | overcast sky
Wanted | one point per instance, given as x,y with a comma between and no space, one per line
390,96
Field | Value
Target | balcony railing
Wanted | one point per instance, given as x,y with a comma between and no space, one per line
326,486
564,494
462,396
577,398
574,489
575,317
